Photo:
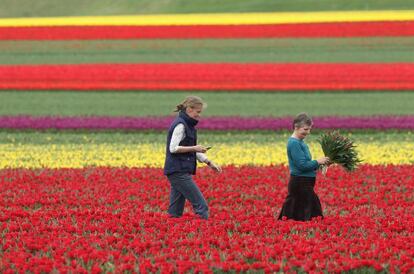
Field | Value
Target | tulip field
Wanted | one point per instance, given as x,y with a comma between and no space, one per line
86,98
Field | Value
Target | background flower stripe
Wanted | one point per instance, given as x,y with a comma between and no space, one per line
315,30
214,19
152,155
208,123
230,76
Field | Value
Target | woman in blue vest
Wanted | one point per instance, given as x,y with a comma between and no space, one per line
302,203
182,152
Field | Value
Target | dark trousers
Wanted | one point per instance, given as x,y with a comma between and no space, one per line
302,203
183,187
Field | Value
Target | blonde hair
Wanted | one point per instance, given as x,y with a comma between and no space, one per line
302,119
190,102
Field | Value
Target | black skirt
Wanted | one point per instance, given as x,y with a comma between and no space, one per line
302,203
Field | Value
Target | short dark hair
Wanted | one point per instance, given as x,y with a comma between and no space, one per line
302,119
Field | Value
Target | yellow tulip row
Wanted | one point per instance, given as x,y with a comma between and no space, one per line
213,19
152,155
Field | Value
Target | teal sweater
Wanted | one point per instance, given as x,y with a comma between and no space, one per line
300,159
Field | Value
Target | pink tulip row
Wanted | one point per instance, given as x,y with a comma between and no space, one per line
208,123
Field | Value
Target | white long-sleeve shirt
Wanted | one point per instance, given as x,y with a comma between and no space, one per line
177,136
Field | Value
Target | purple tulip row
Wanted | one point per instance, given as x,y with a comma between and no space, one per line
209,123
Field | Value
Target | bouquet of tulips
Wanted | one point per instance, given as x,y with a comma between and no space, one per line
340,150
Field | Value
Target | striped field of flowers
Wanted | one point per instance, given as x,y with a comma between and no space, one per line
220,75
82,191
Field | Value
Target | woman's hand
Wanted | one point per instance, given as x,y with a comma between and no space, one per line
199,148
323,161
214,167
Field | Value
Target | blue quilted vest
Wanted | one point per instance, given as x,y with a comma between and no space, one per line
182,162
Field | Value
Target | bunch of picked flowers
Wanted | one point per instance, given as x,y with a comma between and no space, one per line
340,150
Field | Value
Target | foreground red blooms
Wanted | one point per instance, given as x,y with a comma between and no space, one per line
193,76
348,29
102,219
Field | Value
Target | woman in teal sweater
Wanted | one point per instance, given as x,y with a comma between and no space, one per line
302,203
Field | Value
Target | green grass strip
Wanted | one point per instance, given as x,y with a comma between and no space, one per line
66,103
333,50
205,137
28,8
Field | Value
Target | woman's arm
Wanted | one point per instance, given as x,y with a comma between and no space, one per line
299,158
177,136
201,157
